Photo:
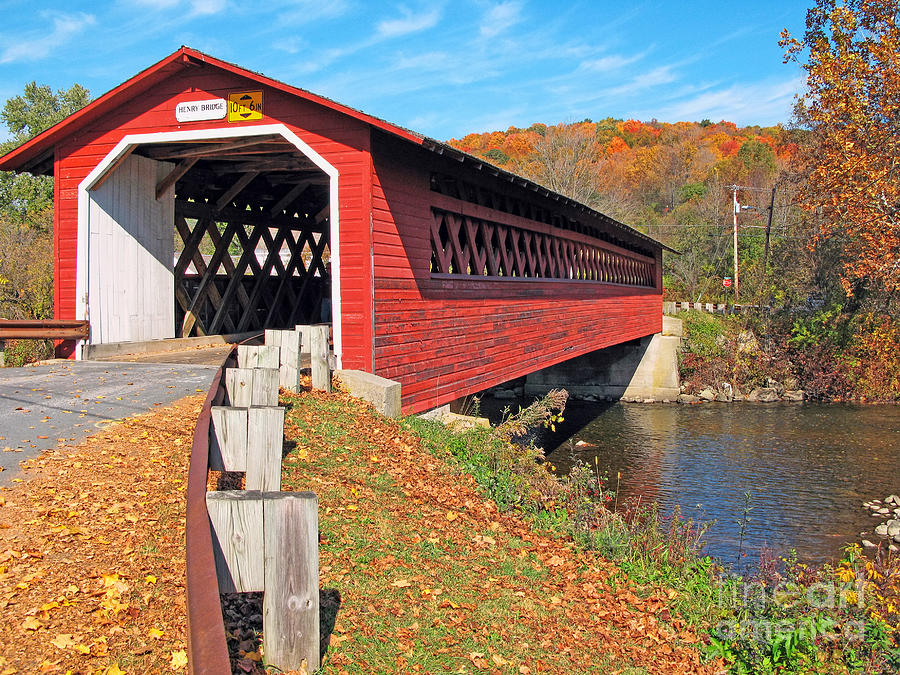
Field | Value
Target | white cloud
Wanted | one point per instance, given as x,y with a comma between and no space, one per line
642,82
207,7
606,64
500,17
65,26
409,23
157,4
763,102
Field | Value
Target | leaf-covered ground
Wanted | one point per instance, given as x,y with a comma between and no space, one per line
432,578
92,552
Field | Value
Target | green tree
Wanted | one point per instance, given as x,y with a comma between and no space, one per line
27,115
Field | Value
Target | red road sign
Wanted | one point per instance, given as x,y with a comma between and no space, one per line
726,282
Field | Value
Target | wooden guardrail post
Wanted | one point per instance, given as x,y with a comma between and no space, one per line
291,599
228,439
236,517
318,355
257,356
289,344
252,386
265,440
269,541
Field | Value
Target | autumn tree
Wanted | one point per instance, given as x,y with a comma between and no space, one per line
565,159
851,52
37,109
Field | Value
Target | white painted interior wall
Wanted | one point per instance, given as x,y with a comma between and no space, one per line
130,250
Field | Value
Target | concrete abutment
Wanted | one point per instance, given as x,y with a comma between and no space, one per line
641,369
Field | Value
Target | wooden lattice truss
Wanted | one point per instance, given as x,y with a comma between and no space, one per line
462,245
252,224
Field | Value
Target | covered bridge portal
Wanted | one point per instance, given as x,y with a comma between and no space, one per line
200,198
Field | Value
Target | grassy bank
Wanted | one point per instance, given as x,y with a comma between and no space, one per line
436,576
458,550
783,617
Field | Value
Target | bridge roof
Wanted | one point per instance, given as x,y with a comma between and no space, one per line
36,155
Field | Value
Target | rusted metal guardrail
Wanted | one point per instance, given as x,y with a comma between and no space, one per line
206,644
44,329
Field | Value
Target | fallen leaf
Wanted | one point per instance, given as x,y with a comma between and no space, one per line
179,660
155,633
63,641
401,583
452,515
31,623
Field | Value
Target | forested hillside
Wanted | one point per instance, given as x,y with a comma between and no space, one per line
671,180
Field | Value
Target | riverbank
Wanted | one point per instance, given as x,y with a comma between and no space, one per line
827,355
812,622
434,576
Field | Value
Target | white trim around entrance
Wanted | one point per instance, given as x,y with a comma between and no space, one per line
108,163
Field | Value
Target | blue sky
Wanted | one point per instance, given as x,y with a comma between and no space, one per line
441,68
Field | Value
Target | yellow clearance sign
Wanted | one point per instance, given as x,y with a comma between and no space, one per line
245,105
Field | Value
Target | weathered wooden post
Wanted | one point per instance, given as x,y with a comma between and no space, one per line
257,356
269,541
252,386
289,374
272,337
236,517
228,439
265,440
318,354
291,599
305,331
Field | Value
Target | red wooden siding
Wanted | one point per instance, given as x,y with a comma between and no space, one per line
340,139
445,337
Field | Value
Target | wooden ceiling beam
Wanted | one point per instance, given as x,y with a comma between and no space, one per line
235,189
180,169
160,152
290,197
243,165
199,211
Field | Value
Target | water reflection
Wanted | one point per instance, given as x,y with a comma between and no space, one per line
808,467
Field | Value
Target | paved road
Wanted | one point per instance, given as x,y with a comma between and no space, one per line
63,401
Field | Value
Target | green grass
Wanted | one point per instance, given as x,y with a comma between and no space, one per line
419,591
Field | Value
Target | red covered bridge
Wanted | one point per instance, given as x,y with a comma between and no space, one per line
200,198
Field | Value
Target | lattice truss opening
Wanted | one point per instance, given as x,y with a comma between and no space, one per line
461,245
251,234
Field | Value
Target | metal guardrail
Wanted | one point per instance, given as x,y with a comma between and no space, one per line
207,647
44,329
710,307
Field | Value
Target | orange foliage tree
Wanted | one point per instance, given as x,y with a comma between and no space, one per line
852,105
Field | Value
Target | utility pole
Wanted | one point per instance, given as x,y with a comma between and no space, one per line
736,207
768,233
734,215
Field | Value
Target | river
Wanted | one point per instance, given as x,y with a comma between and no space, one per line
808,467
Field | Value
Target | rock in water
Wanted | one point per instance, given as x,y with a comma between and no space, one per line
882,530
794,395
708,395
867,544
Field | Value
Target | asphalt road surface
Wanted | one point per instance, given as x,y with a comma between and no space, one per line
44,406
